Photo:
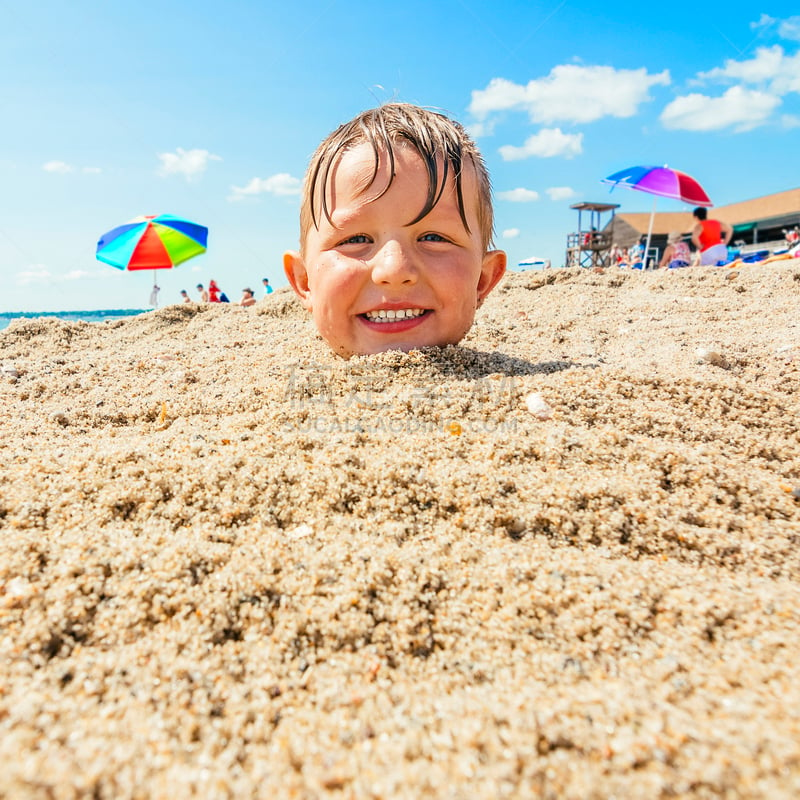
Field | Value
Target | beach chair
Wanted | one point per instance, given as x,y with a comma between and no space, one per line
758,255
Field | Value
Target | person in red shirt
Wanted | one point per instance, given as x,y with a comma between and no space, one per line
711,237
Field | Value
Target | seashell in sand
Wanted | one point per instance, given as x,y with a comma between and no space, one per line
708,356
538,406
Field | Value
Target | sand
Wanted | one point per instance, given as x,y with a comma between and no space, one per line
560,560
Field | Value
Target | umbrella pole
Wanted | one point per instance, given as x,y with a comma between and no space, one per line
649,233
154,294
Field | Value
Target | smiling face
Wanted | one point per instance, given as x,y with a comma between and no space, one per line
373,279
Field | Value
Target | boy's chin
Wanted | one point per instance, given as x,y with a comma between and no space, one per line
401,347
386,347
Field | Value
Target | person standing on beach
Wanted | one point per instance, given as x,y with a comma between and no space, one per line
185,296
203,293
267,287
711,237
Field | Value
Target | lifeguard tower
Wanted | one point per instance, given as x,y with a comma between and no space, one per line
591,246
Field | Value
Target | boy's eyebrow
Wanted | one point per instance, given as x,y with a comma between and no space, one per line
341,219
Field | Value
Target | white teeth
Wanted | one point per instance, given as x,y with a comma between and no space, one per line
393,316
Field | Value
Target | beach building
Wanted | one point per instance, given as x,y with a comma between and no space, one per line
758,223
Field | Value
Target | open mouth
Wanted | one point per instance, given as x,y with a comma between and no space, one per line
399,315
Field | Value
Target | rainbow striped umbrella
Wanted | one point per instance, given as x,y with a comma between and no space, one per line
152,242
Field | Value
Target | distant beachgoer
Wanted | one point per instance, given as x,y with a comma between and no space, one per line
711,237
214,292
267,287
622,258
636,255
247,298
203,293
676,253
185,297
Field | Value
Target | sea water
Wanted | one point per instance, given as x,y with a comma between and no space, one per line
103,315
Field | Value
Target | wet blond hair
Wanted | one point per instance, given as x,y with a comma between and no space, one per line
442,143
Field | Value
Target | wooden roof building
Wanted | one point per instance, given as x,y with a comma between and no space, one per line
762,219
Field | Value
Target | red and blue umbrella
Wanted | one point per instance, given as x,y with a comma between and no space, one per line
660,182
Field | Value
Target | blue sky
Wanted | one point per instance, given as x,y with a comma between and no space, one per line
211,111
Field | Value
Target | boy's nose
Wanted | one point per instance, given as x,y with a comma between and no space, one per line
394,265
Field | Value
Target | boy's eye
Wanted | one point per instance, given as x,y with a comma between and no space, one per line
432,237
359,238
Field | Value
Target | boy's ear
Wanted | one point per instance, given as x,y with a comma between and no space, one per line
492,269
295,268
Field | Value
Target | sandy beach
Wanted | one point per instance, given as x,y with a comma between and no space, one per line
560,560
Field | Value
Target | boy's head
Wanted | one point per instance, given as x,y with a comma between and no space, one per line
395,226
700,213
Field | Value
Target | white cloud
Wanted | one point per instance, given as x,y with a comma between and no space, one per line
560,192
741,108
36,274
39,274
770,69
500,95
61,167
281,185
758,69
789,121
478,130
549,142
188,163
760,83
764,21
510,233
519,195
570,93
790,29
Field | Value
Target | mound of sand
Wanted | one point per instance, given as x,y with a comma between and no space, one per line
560,560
